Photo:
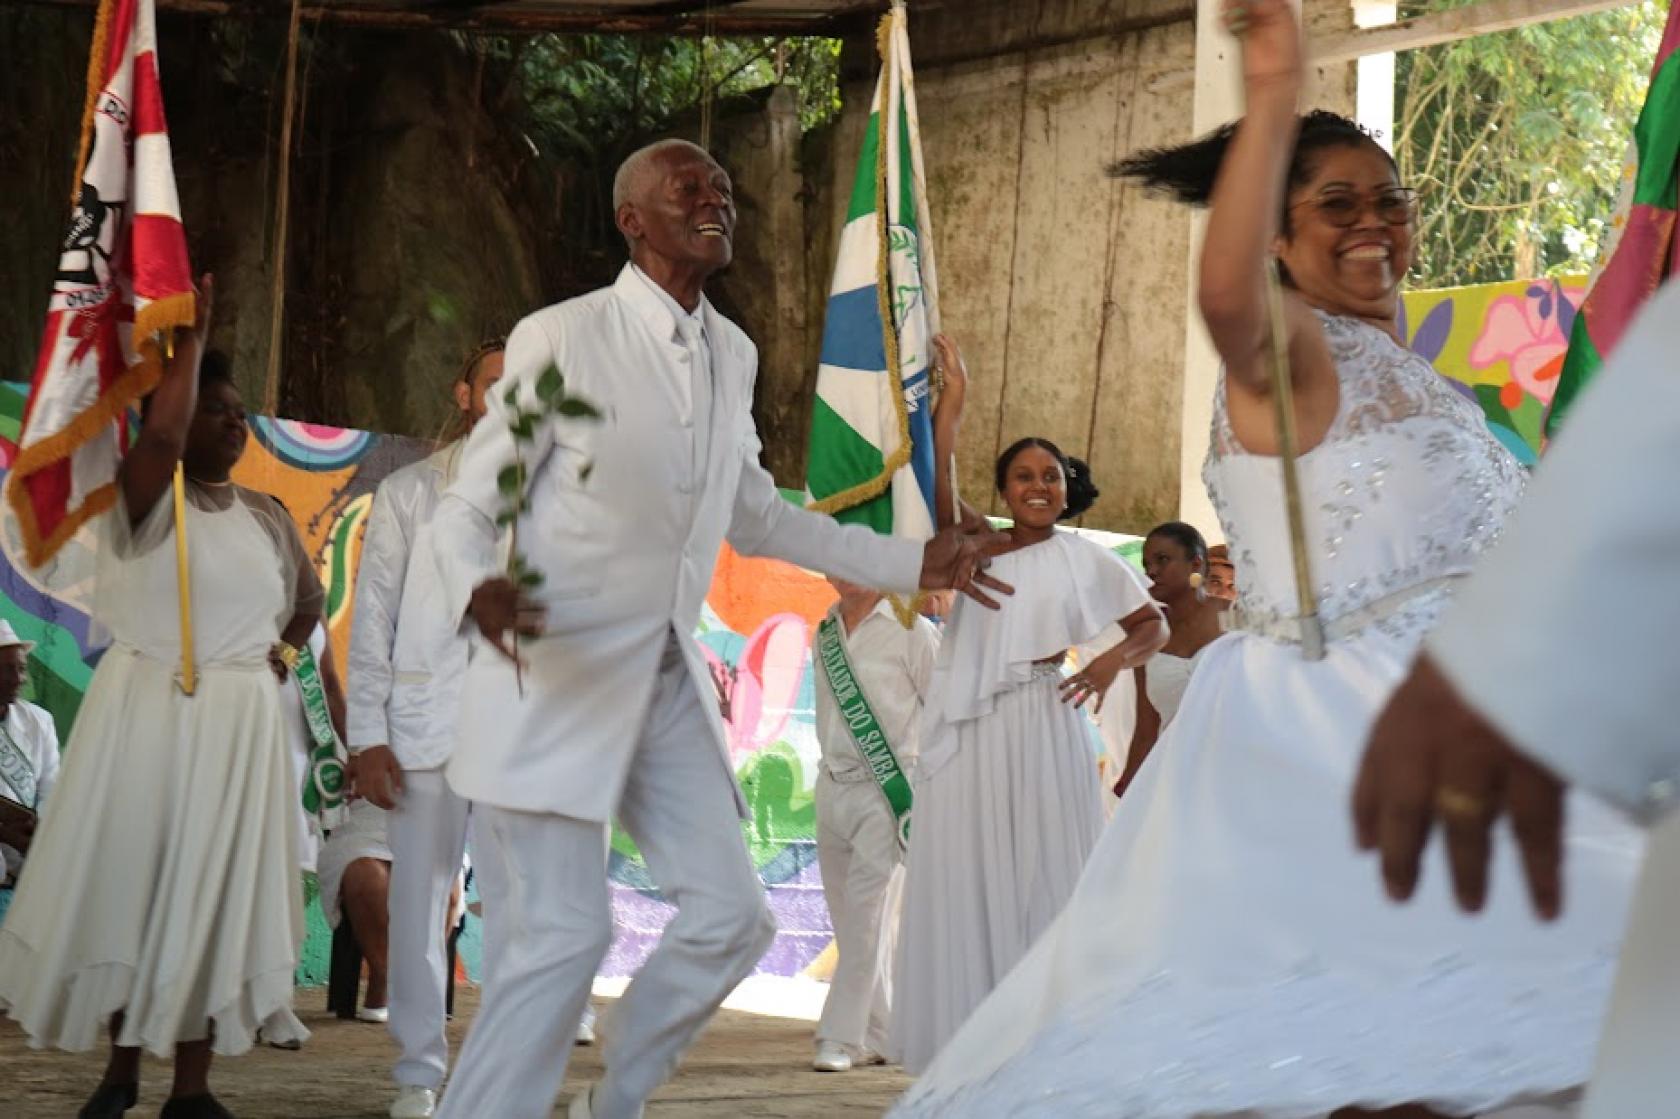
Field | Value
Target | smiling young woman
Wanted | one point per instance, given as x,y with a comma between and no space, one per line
1008,804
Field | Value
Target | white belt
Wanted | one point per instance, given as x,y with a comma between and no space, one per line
1287,627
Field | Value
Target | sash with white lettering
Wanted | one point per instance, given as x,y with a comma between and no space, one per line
862,726
323,783
16,769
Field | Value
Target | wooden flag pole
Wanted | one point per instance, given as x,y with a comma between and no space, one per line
189,671
1283,402
183,575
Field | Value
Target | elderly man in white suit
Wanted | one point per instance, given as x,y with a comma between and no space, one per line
611,713
1533,680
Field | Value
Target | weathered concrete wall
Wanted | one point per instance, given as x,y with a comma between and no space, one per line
766,289
1066,289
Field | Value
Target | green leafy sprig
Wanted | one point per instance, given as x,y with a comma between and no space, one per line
512,481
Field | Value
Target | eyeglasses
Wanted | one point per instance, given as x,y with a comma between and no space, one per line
1343,209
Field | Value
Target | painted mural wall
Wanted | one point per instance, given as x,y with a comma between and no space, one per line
1500,345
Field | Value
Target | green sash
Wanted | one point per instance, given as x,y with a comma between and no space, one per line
861,724
16,769
323,784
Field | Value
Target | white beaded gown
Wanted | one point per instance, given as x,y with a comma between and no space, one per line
1228,952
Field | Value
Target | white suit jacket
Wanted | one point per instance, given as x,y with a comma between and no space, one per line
626,553
1568,640
407,653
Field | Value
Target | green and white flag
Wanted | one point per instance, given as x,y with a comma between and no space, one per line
871,452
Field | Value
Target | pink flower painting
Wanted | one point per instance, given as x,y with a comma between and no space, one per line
1531,333
758,691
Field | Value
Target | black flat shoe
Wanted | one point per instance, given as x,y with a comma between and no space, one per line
194,1107
109,1101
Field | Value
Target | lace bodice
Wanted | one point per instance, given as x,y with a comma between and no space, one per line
1407,487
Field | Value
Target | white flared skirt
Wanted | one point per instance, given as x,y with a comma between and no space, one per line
1229,952
164,879
999,835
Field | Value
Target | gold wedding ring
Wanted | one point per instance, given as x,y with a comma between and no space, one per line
1456,804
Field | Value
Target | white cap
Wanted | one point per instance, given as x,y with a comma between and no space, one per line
9,637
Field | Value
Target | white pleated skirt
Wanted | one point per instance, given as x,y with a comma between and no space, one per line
1000,833
164,880
1229,953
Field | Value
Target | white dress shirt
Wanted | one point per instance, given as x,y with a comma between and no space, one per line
32,729
625,549
893,666
407,655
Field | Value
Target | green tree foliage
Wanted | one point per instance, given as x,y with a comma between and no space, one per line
1516,141
595,96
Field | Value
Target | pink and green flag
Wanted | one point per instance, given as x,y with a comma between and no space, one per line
1642,252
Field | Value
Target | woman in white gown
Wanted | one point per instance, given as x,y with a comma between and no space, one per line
1007,804
1175,559
163,894
1227,952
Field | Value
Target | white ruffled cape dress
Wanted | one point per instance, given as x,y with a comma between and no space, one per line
1007,799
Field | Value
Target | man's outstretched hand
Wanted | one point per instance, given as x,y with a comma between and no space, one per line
1432,758
958,556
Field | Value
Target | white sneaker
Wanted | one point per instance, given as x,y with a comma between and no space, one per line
586,1030
374,1014
869,1057
414,1102
579,1108
832,1057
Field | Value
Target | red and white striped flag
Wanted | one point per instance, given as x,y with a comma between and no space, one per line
123,283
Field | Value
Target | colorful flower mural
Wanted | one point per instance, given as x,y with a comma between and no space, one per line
1501,345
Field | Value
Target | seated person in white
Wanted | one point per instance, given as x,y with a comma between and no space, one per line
28,754
355,874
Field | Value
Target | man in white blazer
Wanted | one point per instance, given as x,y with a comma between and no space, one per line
1558,664
611,713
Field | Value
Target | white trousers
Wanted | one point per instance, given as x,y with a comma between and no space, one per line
427,833
863,880
543,878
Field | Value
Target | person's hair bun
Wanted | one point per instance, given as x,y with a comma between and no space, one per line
1082,492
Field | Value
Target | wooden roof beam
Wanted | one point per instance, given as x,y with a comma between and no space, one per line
1449,26
529,18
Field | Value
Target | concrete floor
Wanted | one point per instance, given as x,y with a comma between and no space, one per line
745,1065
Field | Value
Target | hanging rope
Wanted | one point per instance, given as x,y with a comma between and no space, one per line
282,214
708,27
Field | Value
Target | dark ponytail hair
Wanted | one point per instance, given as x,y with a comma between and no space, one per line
1082,493
1187,172
1186,537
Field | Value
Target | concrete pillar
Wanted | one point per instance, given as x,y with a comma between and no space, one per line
1217,99
1376,73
